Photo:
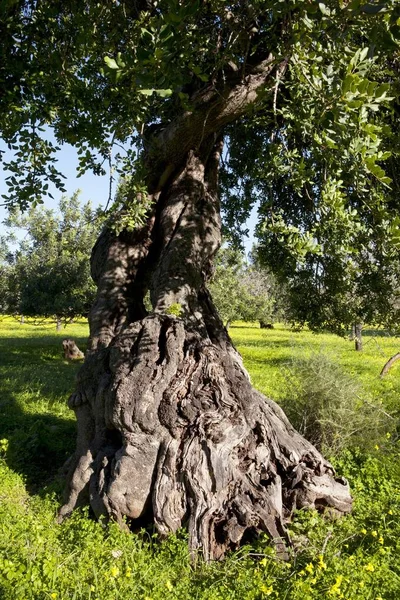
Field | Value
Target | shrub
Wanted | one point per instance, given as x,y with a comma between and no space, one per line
328,406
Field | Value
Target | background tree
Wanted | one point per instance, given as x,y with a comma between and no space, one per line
244,291
226,285
50,272
265,298
169,427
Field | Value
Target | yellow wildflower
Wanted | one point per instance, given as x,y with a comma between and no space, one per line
310,568
374,533
53,595
363,531
267,590
92,588
321,563
263,562
335,589
388,435
169,586
114,571
369,567
376,447
390,512
380,540
128,573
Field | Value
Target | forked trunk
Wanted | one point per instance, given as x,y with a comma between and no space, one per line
170,430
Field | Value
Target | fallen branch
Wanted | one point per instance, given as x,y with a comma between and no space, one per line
389,364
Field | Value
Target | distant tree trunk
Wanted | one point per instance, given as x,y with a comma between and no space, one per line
58,324
170,430
357,336
22,320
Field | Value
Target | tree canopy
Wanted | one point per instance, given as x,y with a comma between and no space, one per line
316,147
110,74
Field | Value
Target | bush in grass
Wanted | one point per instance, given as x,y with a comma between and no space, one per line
328,406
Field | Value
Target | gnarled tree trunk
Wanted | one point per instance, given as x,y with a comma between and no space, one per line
170,429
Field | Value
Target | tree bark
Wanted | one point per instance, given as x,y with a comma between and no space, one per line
170,430
357,336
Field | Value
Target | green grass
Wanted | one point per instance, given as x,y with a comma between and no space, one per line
268,353
353,558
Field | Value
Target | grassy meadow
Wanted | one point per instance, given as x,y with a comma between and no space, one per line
357,557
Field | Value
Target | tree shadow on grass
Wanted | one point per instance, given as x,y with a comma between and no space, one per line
35,382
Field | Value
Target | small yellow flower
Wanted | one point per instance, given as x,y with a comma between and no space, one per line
335,589
267,590
388,435
169,586
363,531
352,558
369,567
321,563
390,512
310,568
92,588
376,447
53,595
263,562
380,540
114,571
128,573
374,533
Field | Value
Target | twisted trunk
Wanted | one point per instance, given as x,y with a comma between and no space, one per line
170,430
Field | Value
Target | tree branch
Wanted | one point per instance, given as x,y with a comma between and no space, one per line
213,108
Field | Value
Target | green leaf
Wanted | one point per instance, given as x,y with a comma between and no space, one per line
163,93
324,9
110,62
363,54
